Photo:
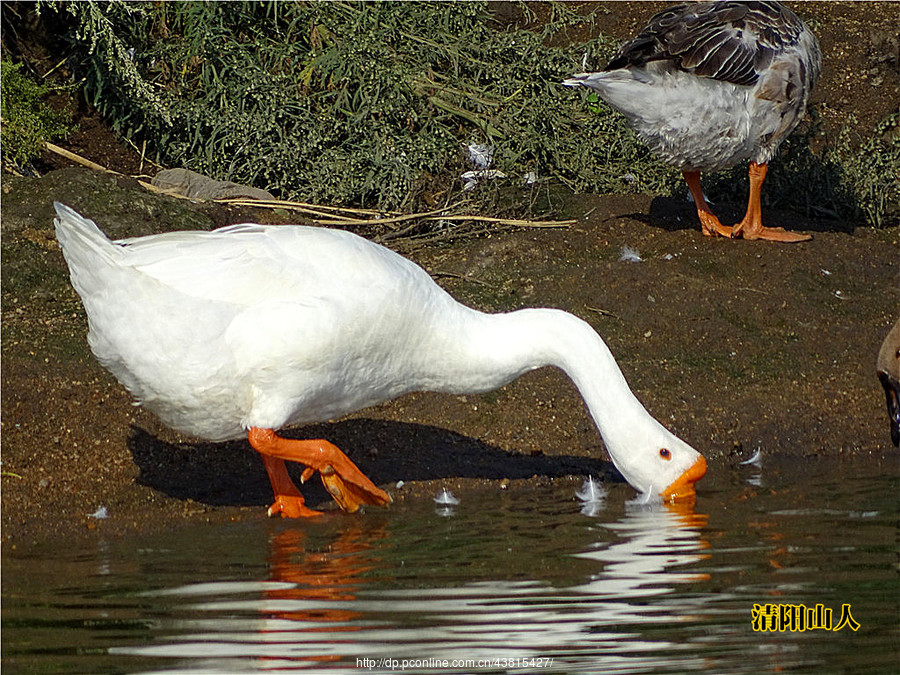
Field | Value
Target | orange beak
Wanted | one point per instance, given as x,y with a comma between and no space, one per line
684,485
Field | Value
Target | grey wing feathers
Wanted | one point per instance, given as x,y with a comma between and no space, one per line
730,41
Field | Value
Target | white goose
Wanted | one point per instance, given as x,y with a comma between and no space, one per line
710,84
251,328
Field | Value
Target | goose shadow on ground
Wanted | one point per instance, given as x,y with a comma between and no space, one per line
674,214
231,473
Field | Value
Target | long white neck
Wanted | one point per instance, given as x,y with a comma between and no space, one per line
482,352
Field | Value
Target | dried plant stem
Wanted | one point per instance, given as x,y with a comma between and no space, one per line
78,159
331,215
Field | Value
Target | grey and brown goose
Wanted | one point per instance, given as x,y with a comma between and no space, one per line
708,85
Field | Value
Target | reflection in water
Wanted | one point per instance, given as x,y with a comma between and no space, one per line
652,538
512,574
327,606
299,615
332,576
313,575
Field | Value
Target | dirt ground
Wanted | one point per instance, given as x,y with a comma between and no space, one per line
735,346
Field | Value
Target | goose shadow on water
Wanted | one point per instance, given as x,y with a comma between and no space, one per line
231,473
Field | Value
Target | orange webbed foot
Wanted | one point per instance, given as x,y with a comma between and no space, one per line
708,221
769,234
289,503
349,494
290,506
751,226
711,225
349,486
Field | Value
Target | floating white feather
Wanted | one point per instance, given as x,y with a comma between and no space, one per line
591,492
593,495
756,459
446,498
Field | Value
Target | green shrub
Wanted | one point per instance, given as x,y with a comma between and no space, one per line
872,171
373,104
368,103
27,121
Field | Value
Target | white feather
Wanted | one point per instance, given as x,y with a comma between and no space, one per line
629,255
591,492
445,498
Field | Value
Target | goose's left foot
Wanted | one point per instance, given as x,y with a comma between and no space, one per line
759,231
751,226
342,478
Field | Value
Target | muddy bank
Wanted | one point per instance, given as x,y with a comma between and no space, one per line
736,346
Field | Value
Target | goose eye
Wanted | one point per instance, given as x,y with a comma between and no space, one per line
665,454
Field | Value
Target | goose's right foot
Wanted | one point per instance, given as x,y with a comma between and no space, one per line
342,478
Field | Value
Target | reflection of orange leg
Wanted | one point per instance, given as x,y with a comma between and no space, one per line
708,221
341,477
751,226
333,575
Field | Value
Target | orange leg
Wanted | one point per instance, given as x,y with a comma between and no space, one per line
341,477
708,221
288,500
751,226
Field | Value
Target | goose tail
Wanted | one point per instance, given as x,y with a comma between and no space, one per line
615,84
88,252
625,89
578,80
78,235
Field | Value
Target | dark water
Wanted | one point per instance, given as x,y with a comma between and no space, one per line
514,581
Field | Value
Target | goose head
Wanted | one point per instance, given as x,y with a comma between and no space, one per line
655,461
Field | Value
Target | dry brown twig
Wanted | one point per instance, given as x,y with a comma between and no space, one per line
331,215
